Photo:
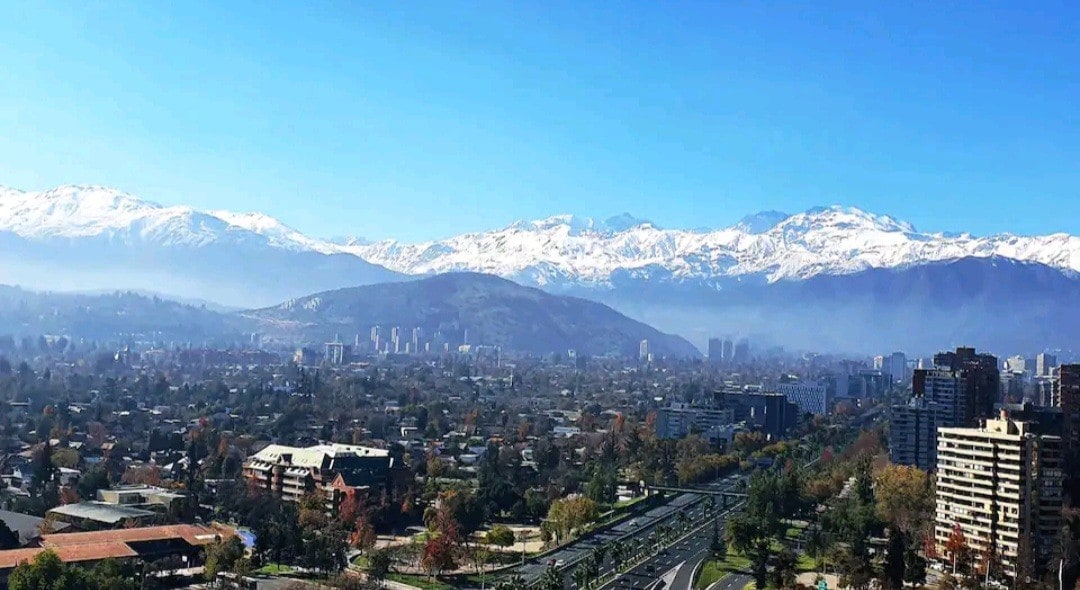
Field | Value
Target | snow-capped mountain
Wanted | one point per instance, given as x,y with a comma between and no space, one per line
90,238
565,250
72,212
832,270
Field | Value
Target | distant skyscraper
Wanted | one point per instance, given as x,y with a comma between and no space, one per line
742,352
727,350
395,339
416,340
1017,364
879,363
1044,363
643,350
716,350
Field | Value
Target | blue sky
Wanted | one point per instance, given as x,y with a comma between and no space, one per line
421,120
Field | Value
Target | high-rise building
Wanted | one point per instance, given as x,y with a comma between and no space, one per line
741,354
1001,486
395,339
416,340
960,392
1018,364
334,352
1044,363
716,350
812,398
983,378
912,434
643,350
1066,387
727,350
679,420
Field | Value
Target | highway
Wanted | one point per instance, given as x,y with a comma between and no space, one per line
675,564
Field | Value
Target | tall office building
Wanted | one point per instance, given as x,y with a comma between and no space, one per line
741,354
643,350
1001,485
1044,363
895,365
960,392
1066,387
983,378
913,434
812,398
1018,364
416,340
727,349
716,350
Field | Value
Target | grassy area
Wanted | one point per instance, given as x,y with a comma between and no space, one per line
422,582
275,569
807,563
621,505
716,569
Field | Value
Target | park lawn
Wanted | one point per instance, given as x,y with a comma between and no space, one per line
422,582
807,563
716,569
275,569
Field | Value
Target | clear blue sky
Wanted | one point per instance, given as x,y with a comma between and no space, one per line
420,120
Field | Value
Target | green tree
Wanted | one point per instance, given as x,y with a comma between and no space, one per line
500,536
222,557
379,562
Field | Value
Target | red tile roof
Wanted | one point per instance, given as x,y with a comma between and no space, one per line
99,545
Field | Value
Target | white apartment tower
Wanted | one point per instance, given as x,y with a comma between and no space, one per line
1001,485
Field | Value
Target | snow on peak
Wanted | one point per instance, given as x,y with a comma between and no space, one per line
565,249
761,222
82,211
558,250
845,218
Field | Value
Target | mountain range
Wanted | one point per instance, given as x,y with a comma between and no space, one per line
827,263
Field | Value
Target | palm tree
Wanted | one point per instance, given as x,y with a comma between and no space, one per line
581,576
552,579
683,519
599,555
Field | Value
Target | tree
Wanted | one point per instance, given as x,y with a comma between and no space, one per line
500,536
551,579
379,562
222,557
957,548
440,552
716,545
895,562
785,569
903,498
570,514
581,576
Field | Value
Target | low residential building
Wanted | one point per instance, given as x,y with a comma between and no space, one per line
293,472
93,516
182,545
1001,485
